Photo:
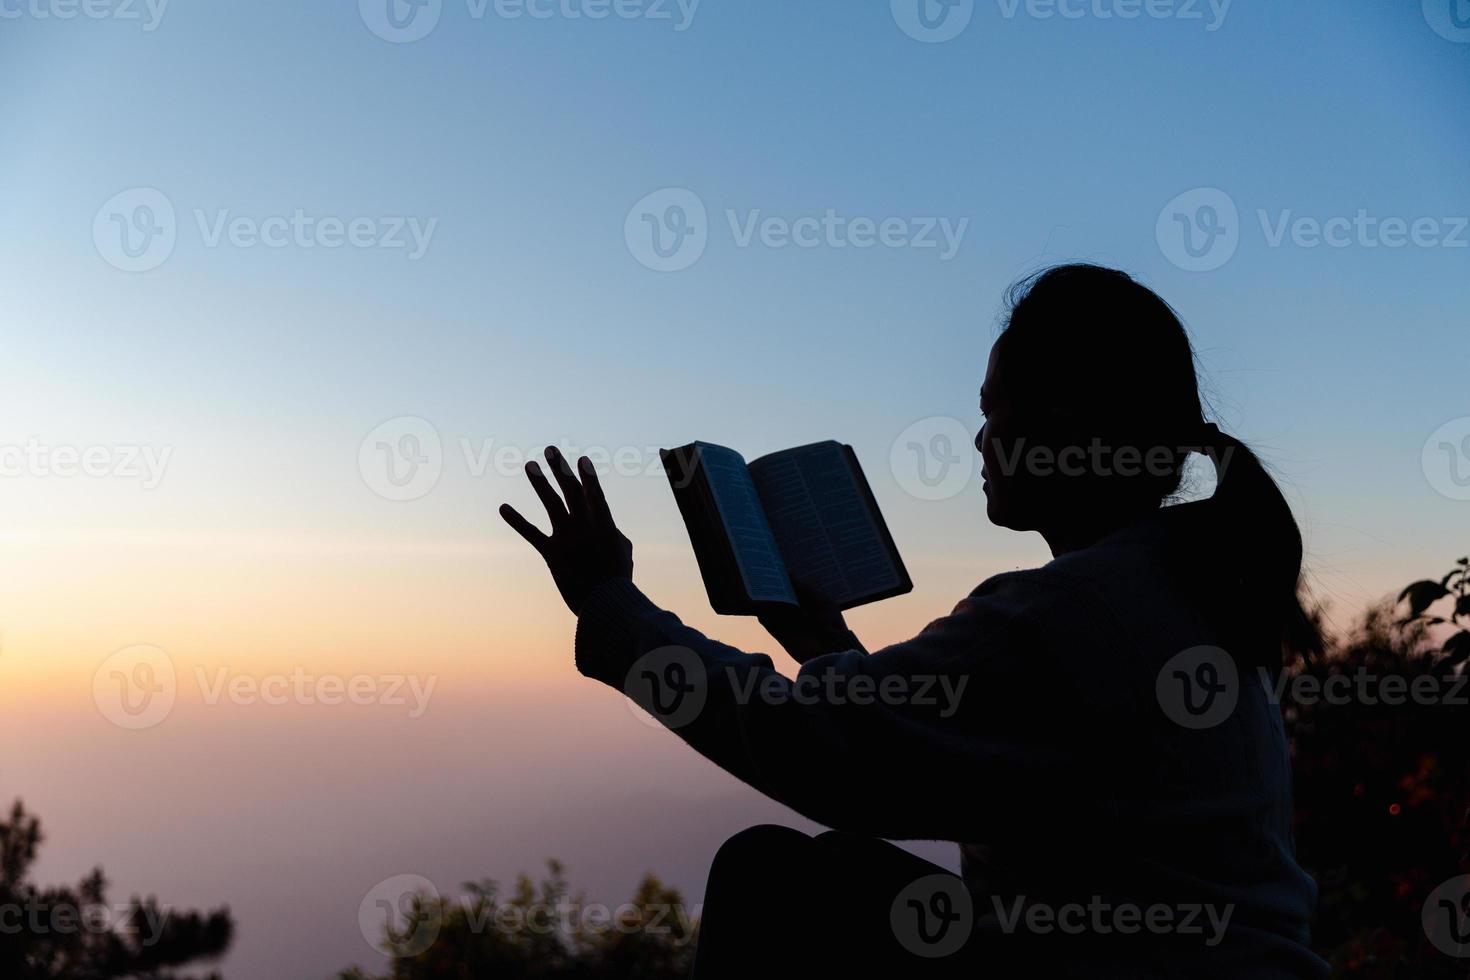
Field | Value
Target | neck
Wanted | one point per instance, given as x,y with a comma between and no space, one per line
1086,532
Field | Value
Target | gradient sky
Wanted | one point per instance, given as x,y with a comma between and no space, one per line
529,319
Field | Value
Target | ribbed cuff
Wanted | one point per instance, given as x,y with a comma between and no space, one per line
607,630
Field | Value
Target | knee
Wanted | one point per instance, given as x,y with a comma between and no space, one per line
759,849
852,845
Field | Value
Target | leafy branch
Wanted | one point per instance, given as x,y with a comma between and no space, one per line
1425,594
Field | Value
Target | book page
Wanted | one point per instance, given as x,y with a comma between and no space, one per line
756,553
828,533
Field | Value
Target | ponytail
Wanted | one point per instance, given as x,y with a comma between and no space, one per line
1259,546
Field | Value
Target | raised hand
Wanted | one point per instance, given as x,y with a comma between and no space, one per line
816,628
585,548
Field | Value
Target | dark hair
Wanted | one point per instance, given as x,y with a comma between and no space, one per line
1095,355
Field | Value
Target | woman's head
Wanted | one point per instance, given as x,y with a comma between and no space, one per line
1092,409
1091,370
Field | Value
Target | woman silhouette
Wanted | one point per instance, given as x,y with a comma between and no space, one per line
1094,733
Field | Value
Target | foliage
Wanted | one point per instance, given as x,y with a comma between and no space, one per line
1383,789
540,930
73,933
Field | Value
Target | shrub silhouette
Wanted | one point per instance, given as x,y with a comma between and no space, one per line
540,930
1383,790
74,934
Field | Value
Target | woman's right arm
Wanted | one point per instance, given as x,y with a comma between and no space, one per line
938,737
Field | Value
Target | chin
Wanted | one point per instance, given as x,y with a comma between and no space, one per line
1002,516
994,511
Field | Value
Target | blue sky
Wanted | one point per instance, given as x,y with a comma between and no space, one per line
529,318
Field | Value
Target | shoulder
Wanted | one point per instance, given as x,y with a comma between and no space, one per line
1094,591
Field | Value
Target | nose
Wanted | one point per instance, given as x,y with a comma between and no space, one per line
980,439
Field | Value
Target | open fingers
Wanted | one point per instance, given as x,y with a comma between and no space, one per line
554,507
567,480
596,501
523,527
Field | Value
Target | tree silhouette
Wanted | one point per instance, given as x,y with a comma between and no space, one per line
73,933
540,930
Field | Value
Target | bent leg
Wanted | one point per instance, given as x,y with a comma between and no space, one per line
906,916
779,901
754,904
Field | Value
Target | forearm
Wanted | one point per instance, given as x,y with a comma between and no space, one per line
832,744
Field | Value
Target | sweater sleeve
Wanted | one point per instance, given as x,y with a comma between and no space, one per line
951,735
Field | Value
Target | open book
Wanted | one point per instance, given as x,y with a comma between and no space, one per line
805,513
